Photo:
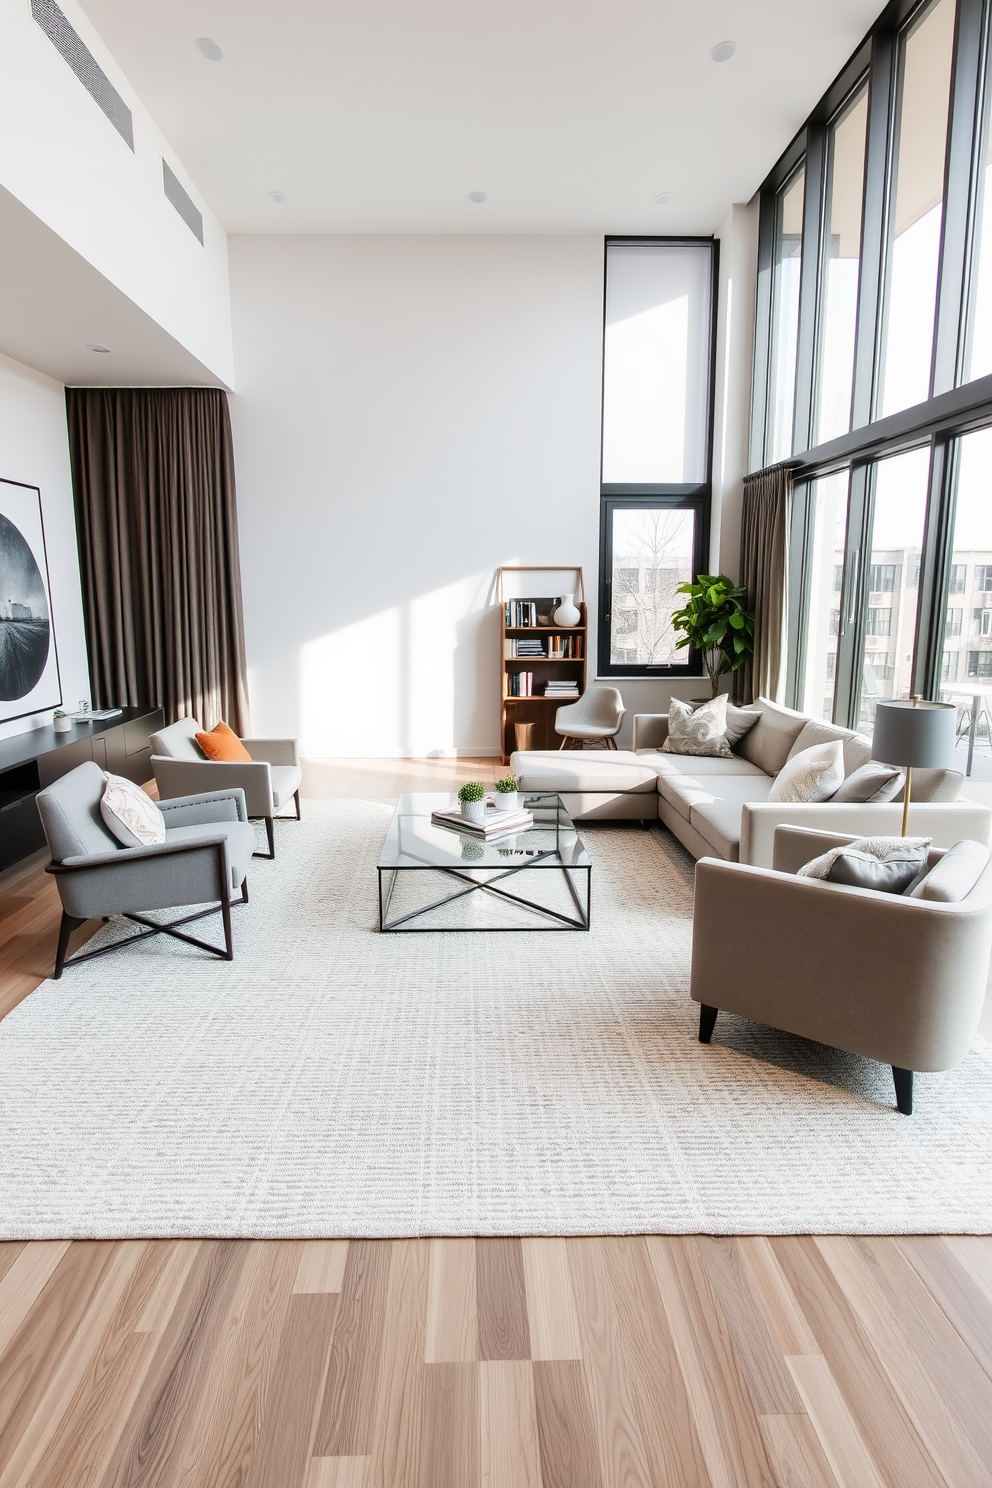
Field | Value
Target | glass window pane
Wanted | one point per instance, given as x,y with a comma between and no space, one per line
786,271
656,370
917,207
841,269
829,517
978,362
652,555
898,518
967,653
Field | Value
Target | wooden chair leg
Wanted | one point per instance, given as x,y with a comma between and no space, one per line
225,909
903,1081
296,798
707,1022
68,925
270,834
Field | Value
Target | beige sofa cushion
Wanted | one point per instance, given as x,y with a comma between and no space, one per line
857,748
686,791
767,745
582,770
699,766
716,814
954,876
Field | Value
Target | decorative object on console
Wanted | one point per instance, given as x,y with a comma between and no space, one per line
61,722
506,797
222,743
715,623
701,730
472,795
811,775
915,733
29,671
131,814
567,612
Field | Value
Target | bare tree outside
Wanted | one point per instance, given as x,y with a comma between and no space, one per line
652,555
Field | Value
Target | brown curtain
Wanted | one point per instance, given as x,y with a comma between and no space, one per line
156,518
765,575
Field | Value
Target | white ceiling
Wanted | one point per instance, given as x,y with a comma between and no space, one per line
572,115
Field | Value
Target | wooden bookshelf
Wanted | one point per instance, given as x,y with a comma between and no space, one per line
538,709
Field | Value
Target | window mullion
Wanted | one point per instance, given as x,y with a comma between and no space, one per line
877,152
935,560
813,206
959,195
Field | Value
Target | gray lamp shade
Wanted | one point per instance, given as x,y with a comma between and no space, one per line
919,735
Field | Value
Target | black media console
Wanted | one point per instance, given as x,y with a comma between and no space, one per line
29,762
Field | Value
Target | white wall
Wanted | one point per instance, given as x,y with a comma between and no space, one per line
34,449
63,159
411,413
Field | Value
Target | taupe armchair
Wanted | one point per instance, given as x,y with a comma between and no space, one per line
204,860
269,782
596,717
901,980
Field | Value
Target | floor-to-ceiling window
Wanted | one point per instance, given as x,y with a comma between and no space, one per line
891,377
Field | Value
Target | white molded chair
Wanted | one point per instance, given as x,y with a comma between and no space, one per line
596,716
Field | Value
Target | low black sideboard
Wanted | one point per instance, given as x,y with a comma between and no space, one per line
29,762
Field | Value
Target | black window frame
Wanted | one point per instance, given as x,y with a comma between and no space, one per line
694,496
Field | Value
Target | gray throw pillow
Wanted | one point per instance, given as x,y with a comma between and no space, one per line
892,874
739,720
768,743
873,782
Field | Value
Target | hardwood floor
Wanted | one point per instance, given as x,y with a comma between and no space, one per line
783,1362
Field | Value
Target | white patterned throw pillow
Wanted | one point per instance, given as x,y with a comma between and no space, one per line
812,775
701,730
130,814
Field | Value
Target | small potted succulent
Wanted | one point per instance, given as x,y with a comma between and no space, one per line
61,722
506,796
473,801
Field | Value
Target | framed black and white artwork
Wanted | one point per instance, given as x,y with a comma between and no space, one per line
29,668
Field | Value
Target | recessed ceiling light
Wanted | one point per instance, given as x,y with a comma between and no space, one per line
92,346
723,51
277,196
477,197
663,198
209,49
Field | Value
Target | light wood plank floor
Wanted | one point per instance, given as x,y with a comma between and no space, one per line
794,1362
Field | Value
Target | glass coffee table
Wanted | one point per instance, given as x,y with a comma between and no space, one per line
436,878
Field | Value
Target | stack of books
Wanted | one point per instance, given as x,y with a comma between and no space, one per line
494,824
529,646
563,689
520,684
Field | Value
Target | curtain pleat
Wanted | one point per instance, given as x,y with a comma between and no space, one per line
765,575
156,519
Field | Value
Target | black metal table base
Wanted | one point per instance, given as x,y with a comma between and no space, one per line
580,921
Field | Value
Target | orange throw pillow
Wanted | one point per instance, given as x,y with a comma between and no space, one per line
223,743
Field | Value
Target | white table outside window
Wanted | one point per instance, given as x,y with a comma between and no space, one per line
979,695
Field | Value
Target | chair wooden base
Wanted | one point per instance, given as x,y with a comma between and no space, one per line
150,927
568,742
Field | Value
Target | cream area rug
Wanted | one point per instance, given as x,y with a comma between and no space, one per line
333,1081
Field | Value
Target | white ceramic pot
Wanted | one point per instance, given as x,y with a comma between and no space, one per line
506,800
474,810
62,725
567,612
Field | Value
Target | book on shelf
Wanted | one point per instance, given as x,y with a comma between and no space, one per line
520,684
494,824
557,648
526,612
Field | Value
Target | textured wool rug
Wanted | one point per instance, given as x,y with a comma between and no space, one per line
337,1082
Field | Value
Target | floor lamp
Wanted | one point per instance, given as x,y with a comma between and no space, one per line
914,734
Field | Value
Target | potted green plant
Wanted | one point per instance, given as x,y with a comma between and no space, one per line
61,722
714,622
473,800
506,796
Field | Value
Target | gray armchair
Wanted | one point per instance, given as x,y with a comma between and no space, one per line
269,782
204,860
596,717
897,979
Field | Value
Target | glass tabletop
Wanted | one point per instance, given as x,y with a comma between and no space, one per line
413,841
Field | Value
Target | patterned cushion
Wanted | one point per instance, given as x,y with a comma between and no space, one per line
813,775
702,730
130,814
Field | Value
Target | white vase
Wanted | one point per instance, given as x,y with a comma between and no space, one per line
474,810
62,725
506,800
567,612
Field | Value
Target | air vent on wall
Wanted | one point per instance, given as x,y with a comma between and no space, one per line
182,202
85,66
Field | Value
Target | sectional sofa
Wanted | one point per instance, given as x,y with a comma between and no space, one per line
719,807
